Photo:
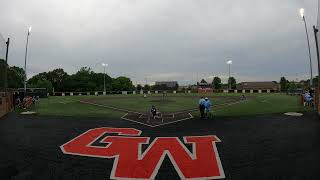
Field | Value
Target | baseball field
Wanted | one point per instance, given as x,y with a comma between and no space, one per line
223,104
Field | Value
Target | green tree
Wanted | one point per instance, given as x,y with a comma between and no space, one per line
139,87
98,79
58,78
42,83
34,79
300,86
203,81
122,84
116,85
81,81
146,87
15,77
315,81
283,84
232,81
216,83
291,86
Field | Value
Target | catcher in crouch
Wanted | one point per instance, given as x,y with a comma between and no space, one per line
154,112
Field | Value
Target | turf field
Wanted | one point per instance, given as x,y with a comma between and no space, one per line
259,147
224,104
256,141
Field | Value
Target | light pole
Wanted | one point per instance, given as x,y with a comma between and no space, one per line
315,30
305,25
104,76
25,62
6,68
229,63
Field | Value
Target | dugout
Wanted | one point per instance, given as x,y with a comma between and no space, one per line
41,92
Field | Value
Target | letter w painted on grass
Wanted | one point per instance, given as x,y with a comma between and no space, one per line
131,163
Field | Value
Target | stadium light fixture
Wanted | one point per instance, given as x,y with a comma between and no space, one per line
104,65
308,42
302,13
6,67
229,63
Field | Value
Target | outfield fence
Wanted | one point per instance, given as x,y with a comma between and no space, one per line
6,101
97,93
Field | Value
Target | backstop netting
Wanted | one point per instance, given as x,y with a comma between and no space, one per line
6,100
3,47
317,95
318,20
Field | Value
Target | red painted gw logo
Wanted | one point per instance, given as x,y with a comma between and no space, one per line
131,163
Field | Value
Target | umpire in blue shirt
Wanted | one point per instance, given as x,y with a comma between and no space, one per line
202,107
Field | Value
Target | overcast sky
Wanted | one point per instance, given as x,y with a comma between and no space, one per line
163,39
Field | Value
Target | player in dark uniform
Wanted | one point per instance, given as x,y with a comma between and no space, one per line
153,111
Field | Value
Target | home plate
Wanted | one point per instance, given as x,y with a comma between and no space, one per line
293,114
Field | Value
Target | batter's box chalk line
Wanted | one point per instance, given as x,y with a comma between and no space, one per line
142,116
125,117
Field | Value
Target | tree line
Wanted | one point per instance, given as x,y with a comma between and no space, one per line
15,75
287,85
161,87
217,84
87,80
83,80
60,81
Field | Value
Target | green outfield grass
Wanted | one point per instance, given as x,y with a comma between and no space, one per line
70,106
256,104
263,104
